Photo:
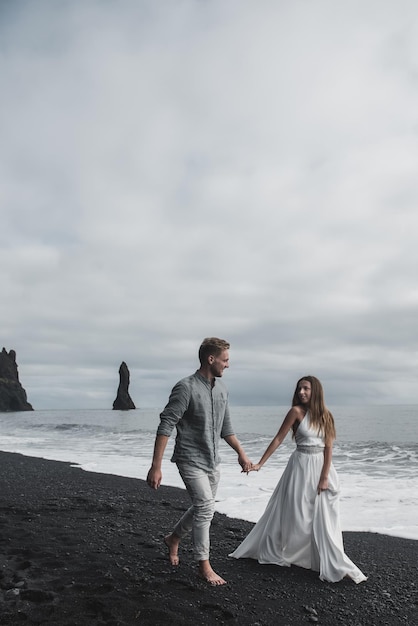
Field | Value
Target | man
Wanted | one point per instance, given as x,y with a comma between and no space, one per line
198,407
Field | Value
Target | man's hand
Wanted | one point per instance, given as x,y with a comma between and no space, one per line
154,478
245,462
155,475
243,459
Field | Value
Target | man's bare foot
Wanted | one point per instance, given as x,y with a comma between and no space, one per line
209,575
172,542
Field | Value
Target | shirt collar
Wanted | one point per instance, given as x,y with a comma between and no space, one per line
205,380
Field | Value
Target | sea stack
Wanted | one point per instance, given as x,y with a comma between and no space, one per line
123,400
12,395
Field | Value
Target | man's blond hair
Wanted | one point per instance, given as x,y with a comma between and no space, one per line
212,346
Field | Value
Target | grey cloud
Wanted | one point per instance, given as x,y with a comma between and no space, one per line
174,170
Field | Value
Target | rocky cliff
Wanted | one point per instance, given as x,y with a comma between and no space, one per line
12,395
123,400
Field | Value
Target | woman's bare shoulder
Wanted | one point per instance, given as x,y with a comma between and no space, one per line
295,414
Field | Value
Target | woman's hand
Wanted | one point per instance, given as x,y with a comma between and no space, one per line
255,467
322,485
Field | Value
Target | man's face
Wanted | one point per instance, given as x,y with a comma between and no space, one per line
219,363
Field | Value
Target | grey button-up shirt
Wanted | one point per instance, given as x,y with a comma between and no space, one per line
201,414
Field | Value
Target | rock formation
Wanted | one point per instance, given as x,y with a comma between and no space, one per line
123,400
12,395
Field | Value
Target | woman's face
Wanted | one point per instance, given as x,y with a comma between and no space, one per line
304,391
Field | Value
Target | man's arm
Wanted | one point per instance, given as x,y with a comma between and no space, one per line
243,459
155,475
173,411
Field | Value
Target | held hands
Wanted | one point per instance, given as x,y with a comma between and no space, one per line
254,467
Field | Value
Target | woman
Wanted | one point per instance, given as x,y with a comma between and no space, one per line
300,525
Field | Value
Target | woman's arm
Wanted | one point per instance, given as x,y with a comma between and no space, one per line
294,415
323,479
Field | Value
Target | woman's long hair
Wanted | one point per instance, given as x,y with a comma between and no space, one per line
320,417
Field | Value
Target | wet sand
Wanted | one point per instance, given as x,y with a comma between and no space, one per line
85,549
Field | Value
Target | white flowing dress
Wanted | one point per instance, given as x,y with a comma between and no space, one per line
299,526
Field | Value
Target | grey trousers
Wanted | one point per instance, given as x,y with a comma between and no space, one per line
201,486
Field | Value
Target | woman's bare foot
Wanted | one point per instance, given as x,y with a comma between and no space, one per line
209,575
172,542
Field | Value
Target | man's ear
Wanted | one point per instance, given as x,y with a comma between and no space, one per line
211,359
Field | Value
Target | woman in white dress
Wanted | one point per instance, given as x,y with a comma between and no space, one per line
301,525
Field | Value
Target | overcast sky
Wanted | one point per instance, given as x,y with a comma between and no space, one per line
176,169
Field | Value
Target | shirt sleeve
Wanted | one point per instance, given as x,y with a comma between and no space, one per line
227,424
175,408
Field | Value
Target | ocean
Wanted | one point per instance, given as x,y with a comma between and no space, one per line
375,455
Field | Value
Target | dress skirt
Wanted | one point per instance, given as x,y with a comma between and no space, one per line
300,527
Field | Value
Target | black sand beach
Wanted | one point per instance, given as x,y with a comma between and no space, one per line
79,549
